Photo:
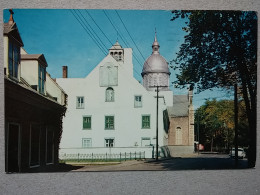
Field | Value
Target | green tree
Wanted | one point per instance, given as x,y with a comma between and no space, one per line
216,124
220,49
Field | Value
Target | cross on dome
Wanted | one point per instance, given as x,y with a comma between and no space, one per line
155,45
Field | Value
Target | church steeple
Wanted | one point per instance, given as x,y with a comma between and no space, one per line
117,52
155,45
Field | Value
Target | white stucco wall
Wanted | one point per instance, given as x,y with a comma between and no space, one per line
128,119
6,53
54,90
29,71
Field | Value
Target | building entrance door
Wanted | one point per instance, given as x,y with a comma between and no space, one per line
13,148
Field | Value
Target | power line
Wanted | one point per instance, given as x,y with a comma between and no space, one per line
97,41
130,35
91,34
99,27
93,31
81,23
125,42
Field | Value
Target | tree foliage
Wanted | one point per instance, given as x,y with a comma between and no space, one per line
220,49
216,124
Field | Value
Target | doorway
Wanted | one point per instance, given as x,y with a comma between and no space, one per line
13,148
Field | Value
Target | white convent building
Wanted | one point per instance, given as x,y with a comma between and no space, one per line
110,111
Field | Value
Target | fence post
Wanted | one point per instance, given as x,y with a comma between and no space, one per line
120,156
125,156
135,155
78,157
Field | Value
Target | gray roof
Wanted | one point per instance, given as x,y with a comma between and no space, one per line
12,31
180,106
39,57
116,46
155,63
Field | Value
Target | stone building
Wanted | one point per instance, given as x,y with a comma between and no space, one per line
181,131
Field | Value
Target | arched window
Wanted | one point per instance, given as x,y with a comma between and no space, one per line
178,136
110,94
120,56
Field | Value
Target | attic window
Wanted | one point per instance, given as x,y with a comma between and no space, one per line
42,78
13,59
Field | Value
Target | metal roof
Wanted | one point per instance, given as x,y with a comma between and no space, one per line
180,106
38,57
155,63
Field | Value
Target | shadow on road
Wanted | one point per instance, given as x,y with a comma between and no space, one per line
199,163
62,167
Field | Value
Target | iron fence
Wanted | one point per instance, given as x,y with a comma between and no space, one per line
107,157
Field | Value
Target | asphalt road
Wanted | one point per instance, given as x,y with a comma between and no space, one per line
194,162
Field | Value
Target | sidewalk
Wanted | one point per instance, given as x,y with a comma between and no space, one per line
106,166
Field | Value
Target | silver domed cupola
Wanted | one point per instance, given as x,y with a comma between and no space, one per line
155,70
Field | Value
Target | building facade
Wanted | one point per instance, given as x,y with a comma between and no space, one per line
181,131
109,111
34,107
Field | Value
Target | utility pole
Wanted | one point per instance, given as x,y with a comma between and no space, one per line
236,124
157,105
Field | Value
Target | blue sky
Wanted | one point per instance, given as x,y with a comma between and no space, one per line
59,36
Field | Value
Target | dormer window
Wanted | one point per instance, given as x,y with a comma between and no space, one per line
42,78
13,59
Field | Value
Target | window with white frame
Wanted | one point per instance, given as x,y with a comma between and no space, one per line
80,102
178,136
110,94
86,142
13,59
109,142
145,141
138,101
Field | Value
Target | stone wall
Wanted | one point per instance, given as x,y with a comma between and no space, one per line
179,151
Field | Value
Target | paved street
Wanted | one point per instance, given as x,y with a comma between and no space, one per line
194,162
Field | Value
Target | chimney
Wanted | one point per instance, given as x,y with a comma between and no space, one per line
64,71
11,19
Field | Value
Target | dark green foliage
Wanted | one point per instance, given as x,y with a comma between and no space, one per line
220,49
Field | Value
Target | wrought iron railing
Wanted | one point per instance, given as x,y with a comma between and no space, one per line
107,157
